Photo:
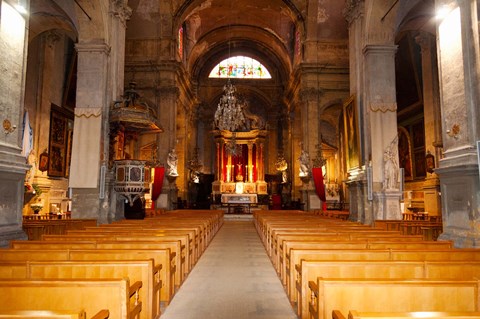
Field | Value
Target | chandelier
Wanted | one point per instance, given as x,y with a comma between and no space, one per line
229,115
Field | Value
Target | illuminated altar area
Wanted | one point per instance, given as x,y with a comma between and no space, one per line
239,163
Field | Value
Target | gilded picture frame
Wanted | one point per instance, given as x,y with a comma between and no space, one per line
60,139
352,135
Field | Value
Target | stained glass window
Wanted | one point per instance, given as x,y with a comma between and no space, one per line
240,67
180,42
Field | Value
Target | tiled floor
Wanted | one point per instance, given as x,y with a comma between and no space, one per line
234,279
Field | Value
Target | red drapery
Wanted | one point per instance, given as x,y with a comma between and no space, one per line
159,173
318,180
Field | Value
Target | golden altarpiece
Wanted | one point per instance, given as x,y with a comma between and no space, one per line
239,166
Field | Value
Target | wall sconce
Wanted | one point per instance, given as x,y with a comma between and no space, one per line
8,127
453,132
429,162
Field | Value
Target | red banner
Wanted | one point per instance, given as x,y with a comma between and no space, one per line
159,173
318,180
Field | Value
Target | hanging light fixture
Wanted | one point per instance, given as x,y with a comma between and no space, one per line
229,115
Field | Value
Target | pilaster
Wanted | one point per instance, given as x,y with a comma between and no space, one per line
89,136
381,128
458,63
432,120
13,48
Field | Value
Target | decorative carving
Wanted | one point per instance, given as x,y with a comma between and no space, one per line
304,164
424,40
377,105
390,164
454,131
255,122
52,38
121,10
172,162
168,91
353,10
310,94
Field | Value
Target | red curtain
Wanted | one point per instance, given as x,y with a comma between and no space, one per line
159,173
318,180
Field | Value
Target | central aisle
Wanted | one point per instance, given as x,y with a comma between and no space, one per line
234,279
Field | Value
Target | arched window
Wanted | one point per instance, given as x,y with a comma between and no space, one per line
240,67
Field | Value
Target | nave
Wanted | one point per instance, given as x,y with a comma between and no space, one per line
233,279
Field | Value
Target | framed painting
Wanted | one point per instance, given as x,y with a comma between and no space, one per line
61,128
352,135
405,152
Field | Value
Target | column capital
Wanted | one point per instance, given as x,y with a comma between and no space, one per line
86,47
168,90
310,94
52,37
380,49
353,10
424,40
120,10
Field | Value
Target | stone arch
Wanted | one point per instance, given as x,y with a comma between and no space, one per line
380,17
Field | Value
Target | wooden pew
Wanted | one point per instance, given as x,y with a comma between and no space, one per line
311,270
92,295
293,268
360,242
35,229
327,295
135,270
160,256
353,314
42,314
171,242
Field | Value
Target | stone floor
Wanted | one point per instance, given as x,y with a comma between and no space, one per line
234,279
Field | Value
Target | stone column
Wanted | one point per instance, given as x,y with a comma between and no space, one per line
222,149
13,48
381,113
432,119
217,161
88,138
359,206
459,60
250,163
230,170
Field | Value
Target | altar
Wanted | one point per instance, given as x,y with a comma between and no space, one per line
239,158
239,200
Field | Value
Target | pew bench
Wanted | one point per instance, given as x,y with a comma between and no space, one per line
372,295
310,270
160,256
42,314
295,257
121,241
353,314
144,271
93,295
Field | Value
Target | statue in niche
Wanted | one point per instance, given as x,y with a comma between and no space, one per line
304,164
390,179
172,163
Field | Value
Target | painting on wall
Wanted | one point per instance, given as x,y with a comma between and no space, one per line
61,131
352,141
405,152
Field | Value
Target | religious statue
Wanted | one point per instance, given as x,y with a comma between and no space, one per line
172,162
390,180
239,177
304,164
32,161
